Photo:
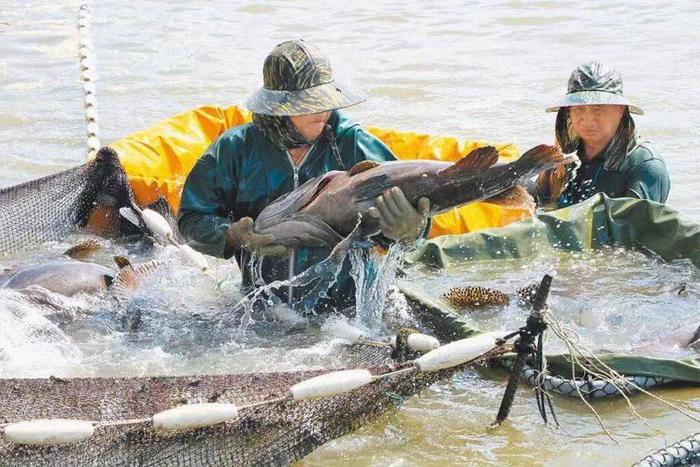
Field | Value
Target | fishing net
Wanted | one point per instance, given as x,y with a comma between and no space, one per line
274,433
53,207
683,452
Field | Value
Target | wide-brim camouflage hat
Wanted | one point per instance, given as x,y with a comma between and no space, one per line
298,80
595,84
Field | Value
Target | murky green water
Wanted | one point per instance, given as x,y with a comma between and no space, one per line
484,70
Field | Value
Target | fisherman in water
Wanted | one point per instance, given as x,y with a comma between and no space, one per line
297,133
594,120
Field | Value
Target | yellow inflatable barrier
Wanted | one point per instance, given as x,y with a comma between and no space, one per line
158,159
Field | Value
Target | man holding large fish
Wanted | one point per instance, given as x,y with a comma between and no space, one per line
297,134
293,183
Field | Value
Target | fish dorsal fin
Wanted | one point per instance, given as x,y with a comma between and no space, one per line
363,166
121,261
130,278
83,250
477,160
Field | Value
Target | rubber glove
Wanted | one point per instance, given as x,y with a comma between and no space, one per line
398,219
240,235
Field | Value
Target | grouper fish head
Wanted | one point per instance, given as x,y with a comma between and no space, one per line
106,189
326,209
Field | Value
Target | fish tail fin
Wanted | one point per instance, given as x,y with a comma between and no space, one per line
474,297
130,278
83,250
541,158
516,197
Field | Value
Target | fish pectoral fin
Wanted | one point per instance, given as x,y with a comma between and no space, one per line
130,278
303,230
363,166
317,228
514,197
476,161
372,188
121,261
83,250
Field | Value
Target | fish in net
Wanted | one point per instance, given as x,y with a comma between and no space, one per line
84,198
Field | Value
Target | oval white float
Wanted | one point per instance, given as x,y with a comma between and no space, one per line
422,342
156,223
194,257
187,417
46,431
457,352
330,384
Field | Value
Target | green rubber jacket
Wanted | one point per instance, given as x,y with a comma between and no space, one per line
242,172
643,175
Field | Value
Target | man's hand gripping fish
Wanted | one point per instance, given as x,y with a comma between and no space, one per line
328,209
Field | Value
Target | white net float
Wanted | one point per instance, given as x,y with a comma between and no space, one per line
187,417
456,353
330,384
194,257
45,431
422,342
156,223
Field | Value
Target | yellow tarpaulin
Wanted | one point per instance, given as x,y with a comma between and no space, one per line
158,159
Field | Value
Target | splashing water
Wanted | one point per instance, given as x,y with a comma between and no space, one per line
325,274
29,341
373,275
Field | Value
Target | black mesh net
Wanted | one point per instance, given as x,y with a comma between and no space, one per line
52,207
272,434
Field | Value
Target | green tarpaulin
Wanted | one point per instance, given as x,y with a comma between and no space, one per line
597,222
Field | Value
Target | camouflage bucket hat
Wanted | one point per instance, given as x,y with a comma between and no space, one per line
298,80
595,84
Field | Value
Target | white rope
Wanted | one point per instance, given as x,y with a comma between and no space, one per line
87,76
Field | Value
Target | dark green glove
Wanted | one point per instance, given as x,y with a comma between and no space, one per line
398,219
240,235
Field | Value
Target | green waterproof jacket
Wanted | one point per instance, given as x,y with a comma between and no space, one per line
642,175
242,172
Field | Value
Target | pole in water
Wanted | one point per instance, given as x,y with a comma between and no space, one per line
524,345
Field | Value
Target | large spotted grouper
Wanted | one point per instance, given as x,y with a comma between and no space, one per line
326,209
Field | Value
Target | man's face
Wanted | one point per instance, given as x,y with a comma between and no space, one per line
310,126
596,124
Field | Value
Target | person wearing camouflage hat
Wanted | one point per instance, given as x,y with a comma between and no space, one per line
594,119
297,133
